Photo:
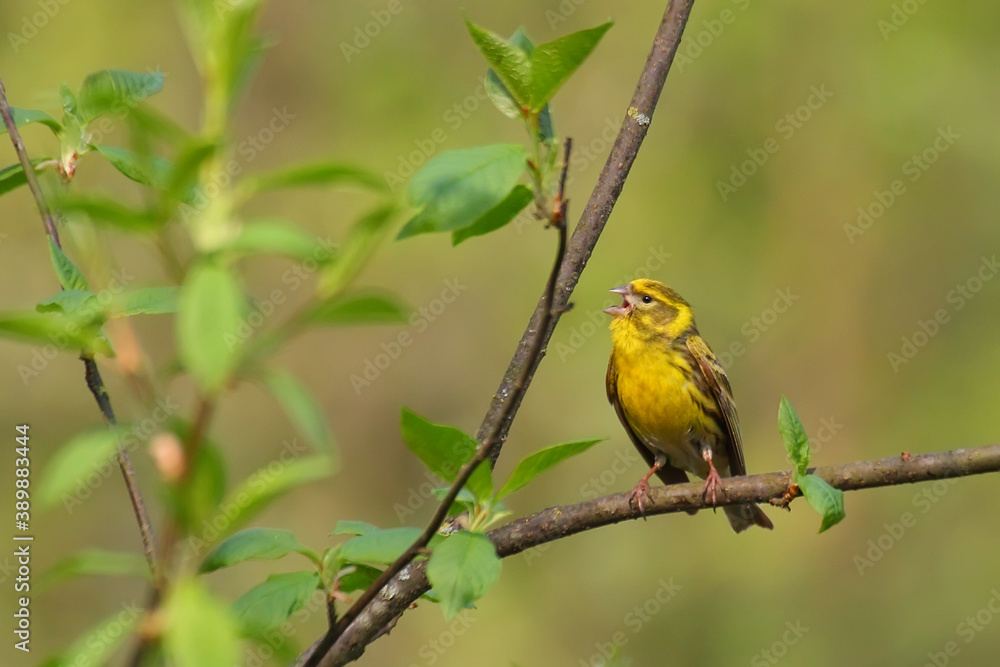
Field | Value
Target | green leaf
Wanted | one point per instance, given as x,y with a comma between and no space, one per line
278,237
199,631
505,102
68,332
455,188
183,183
360,579
95,562
211,310
355,251
379,546
69,302
271,603
12,177
73,461
461,569
794,436
353,528
540,461
251,544
361,308
101,209
148,301
823,498
511,64
266,485
198,497
323,173
27,116
69,275
148,170
496,217
301,408
533,77
552,63
444,450
115,91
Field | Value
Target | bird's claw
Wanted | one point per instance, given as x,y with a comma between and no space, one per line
712,483
641,489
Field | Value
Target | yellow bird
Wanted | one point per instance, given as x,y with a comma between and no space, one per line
673,397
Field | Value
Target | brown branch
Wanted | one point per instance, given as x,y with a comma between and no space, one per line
559,522
360,625
91,373
595,215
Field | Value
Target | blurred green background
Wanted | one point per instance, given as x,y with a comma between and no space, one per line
672,590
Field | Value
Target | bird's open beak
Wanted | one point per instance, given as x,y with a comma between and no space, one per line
622,310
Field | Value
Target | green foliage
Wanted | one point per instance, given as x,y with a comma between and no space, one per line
361,308
455,188
355,251
379,546
461,569
71,463
793,434
27,116
533,75
111,91
823,498
253,544
534,465
199,631
102,210
149,301
301,408
95,562
320,174
265,485
271,603
212,307
69,276
274,237
13,177
444,450
498,216
69,332
200,493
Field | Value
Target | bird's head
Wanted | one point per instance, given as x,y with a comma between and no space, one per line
651,309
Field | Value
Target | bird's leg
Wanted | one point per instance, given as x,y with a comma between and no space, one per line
642,488
713,480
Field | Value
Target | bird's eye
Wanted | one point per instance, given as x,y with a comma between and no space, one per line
647,299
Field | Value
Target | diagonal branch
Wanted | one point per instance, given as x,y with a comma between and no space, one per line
559,522
91,373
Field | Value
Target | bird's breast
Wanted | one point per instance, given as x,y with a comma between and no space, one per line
663,404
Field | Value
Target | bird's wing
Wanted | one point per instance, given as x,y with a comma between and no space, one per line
667,474
718,384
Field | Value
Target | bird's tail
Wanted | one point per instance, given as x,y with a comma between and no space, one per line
742,517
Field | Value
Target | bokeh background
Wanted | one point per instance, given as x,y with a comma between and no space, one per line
886,81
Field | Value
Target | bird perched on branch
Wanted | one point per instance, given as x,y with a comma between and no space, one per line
673,397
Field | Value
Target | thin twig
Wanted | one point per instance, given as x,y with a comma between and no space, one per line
559,522
558,220
91,373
